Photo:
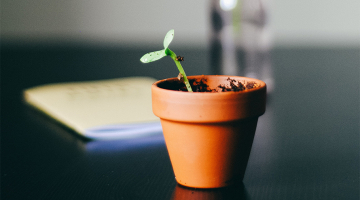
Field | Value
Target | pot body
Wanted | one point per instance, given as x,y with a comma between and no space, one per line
209,135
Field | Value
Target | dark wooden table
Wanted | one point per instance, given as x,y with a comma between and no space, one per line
306,145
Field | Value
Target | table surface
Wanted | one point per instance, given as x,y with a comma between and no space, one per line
306,144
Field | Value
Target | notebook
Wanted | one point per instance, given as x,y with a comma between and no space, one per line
102,109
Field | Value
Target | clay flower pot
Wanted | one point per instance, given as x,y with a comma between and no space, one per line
236,191
209,135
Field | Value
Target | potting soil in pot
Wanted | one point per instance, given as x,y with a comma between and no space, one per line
200,85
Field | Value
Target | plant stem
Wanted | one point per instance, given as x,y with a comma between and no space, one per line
180,68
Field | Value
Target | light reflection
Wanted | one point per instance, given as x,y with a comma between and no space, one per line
228,4
123,131
106,146
237,191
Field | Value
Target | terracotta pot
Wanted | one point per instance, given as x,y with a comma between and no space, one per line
236,191
209,135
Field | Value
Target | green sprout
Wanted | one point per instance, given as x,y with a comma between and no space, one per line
156,55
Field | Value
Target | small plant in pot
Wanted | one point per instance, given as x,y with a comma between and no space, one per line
208,122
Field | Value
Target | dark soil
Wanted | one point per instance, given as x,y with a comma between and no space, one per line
200,85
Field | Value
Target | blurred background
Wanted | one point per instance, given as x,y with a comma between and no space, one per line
110,22
89,40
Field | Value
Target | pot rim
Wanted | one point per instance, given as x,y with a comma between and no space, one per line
209,107
262,85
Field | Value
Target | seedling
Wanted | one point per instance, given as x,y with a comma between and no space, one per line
156,55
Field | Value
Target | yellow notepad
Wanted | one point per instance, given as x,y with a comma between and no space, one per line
105,109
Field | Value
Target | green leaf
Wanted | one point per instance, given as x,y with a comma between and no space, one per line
152,56
168,38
